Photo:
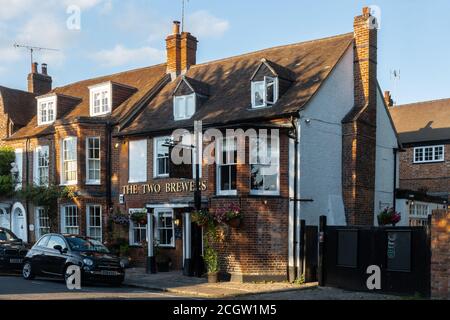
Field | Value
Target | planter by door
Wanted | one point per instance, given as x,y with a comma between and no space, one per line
235,223
213,277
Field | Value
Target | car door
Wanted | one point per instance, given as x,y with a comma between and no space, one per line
54,259
38,253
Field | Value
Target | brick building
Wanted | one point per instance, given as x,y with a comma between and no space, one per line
334,156
424,131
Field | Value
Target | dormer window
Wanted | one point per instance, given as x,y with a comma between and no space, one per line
265,92
101,100
46,110
184,106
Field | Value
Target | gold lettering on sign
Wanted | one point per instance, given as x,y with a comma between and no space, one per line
169,187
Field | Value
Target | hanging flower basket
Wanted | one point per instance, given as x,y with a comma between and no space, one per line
388,216
233,216
139,217
120,219
202,218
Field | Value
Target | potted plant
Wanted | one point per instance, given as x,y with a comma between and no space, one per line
202,218
120,219
211,259
388,216
139,217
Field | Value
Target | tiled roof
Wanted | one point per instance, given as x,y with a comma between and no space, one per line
229,100
423,121
19,105
143,79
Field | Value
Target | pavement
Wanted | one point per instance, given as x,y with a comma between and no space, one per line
175,282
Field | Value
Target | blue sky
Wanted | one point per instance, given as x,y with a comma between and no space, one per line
118,35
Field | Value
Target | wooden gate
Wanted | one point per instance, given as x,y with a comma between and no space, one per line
402,254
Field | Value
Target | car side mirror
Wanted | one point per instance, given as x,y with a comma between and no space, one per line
60,249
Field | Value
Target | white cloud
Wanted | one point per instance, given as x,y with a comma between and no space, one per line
83,4
11,9
203,24
120,56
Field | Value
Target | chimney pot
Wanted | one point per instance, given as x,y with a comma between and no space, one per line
44,69
366,11
176,27
34,67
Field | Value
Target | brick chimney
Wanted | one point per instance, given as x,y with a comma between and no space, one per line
388,99
181,51
360,127
39,83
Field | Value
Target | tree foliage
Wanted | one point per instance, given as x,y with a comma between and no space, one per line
7,156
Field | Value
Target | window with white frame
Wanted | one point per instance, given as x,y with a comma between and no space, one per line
42,222
419,210
138,232
137,161
226,166
94,222
93,160
46,110
184,106
100,101
264,93
70,220
264,166
429,154
161,157
69,161
41,165
165,228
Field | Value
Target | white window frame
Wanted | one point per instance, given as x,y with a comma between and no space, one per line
266,103
64,225
103,89
37,177
133,227
184,99
88,221
143,170
90,181
46,101
265,192
434,154
65,182
167,212
38,228
155,157
19,163
219,164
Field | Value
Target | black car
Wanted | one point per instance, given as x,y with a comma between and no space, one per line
12,251
54,253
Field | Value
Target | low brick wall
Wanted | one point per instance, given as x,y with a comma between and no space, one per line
440,255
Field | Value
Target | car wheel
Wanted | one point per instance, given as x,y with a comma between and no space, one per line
27,271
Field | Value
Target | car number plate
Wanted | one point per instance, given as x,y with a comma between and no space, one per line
15,261
108,273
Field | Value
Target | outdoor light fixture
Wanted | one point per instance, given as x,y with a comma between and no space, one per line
177,222
116,146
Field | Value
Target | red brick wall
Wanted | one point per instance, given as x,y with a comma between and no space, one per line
440,255
429,177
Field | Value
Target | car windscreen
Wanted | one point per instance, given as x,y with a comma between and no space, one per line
6,236
86,245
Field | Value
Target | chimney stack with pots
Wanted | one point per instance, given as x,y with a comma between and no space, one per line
39,83
181,51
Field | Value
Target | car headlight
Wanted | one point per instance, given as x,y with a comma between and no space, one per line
88,262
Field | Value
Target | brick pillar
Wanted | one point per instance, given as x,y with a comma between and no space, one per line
440,255
359,127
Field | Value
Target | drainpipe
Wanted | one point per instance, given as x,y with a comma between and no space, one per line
295,234
108,166
27,172
395,151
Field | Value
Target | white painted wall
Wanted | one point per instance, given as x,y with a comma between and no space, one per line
321,146
385,159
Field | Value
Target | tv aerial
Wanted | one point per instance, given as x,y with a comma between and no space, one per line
32,49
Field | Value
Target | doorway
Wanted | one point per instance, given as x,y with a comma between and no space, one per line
19,223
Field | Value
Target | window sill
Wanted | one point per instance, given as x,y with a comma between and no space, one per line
263,195
429,162
137,181
69,184
89,183
161,177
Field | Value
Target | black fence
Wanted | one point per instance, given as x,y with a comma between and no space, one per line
402,254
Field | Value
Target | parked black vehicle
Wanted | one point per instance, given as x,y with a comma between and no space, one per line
12,251
54,253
